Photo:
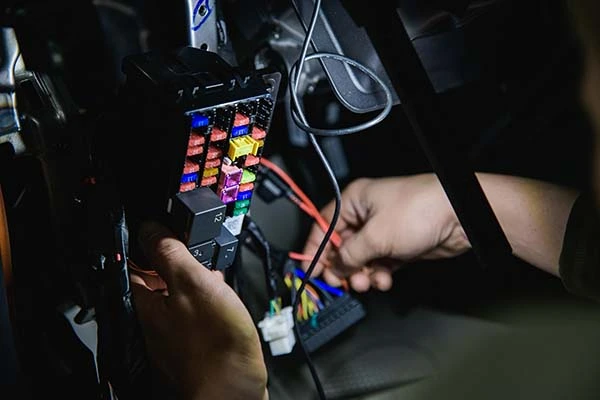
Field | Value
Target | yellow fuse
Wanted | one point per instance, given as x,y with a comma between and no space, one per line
240,146
210,172
257,145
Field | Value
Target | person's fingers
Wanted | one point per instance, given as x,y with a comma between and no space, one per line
172,260
313,242
351,214
360,281
381,278
152,282
149,305
358,250
332,278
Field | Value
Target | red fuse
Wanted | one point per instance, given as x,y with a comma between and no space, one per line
186,187
217,135
196,140
194,151
212,163
213,152
251,160
241,120
190,167
258,133
246,187
211,180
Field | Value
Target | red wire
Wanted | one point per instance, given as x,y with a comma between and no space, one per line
303,202
306,205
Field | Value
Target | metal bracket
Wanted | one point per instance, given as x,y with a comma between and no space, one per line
202,24
11,65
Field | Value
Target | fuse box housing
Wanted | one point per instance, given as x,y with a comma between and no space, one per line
194,133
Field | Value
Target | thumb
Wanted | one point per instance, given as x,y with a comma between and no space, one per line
359,249
149,305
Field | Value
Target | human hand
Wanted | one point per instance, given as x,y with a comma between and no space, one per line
197,330
384,223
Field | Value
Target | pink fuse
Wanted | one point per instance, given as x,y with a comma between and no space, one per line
212,163
246,187
230,176
217,135
211,180
251,160
229,194
213,152
190,167
194,151
195,140
258,133
241,120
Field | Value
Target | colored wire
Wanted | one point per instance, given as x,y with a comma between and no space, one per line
303,201
322,285
301,121
338,196
308,207
135,268
306,257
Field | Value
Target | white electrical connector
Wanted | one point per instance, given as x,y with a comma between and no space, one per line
278,331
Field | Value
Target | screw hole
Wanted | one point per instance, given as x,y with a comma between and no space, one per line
204,46
202,11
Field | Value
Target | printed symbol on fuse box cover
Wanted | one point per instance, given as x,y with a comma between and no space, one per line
218,217
202,11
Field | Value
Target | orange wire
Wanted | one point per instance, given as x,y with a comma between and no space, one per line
313,292
310,208
306,257
135,268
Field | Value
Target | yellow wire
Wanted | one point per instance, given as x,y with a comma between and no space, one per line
311,309
303,298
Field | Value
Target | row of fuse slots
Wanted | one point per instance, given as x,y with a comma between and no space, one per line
225,166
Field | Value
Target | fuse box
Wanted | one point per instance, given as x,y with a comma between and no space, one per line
194,134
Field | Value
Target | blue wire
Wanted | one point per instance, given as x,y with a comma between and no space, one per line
322,285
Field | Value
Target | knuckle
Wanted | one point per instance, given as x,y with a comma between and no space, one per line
169,250
359,184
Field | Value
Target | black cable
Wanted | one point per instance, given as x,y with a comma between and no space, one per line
261,245
301,121
338,197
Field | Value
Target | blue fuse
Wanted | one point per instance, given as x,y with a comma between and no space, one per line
239,131
187,178
244,195
199,120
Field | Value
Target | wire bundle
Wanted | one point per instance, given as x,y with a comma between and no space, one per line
315,297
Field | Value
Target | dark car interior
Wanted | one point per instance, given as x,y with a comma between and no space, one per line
451,87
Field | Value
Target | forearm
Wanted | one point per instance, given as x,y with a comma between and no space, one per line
533,215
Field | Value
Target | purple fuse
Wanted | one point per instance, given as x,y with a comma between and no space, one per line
230,176
229,194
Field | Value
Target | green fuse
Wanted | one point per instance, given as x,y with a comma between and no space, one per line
242,204
248,177
240,211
